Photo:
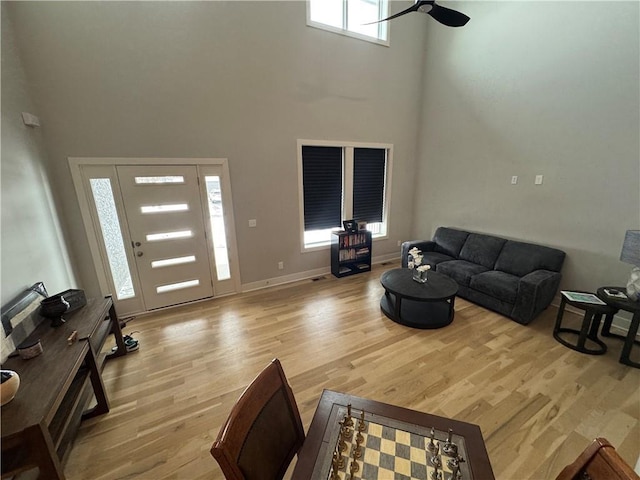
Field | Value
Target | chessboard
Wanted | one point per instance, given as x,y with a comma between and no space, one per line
369,447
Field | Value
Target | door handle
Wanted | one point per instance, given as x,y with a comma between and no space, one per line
139,254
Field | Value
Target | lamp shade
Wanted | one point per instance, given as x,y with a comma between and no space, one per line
631,248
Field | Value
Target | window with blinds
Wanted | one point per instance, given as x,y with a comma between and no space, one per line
341,182
369,167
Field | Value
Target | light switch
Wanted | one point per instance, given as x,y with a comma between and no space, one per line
539,179
514,180
253,222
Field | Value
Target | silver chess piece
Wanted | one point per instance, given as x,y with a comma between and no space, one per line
431,447
435,459
450,449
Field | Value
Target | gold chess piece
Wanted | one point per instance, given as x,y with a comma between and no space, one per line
345,431
353,468
342,446
339,460
335,466
349,420
361,425
357,451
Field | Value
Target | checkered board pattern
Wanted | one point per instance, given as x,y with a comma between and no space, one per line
389,453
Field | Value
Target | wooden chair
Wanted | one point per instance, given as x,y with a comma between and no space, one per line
264,430
599,461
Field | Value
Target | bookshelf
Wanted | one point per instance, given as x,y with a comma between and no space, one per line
350,253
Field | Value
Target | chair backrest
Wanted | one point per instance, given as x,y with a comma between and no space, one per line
599,461
264,430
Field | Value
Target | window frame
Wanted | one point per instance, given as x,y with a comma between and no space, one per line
347,186
349,33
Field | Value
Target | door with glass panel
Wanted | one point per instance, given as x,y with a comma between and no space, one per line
162,232
166,225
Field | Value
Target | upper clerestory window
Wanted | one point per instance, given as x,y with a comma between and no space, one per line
348,17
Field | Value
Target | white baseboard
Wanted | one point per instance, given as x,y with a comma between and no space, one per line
307,275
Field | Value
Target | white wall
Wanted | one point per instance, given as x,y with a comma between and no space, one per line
531,88
241,80
31,246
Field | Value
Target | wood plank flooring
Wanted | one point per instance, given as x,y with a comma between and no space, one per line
539,404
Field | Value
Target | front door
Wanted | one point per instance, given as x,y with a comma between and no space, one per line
164,213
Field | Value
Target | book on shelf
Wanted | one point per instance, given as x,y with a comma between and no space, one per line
582,297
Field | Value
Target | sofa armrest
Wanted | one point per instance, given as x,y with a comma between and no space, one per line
535,292
424,245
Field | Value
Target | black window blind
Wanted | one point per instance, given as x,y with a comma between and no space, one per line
369,166
322,187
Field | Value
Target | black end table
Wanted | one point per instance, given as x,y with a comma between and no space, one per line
415,304
628,306
589,330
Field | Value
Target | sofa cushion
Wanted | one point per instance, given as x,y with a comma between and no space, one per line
520,258
460,270
434,258
496,284
482,249
449,240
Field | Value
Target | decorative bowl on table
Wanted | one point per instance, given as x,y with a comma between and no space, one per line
53,308
8,386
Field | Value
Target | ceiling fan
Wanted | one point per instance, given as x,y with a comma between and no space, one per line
446,16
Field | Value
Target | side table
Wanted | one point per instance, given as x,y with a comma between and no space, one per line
589,329
628,306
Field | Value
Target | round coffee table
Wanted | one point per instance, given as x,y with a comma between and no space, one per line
418,305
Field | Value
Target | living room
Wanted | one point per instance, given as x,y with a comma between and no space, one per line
524,89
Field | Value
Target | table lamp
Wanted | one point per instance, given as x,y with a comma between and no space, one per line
631,254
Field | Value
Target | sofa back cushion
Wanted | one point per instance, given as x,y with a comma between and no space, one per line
449,241
520,258
482,249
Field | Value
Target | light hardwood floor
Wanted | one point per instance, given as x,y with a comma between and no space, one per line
539,404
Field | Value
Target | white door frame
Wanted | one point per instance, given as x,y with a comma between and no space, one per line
84,201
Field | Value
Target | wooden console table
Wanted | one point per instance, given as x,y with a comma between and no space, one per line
40,423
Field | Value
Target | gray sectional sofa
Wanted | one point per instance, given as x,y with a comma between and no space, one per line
516,279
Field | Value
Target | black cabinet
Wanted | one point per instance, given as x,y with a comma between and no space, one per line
350,253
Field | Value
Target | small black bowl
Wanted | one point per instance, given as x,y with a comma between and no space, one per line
53,308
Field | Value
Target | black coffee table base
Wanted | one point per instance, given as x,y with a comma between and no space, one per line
417,314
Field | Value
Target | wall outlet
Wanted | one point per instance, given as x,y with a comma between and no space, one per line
280,265
252,223
514,180
539,179
399,242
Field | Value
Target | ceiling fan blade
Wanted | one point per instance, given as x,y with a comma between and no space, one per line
413,8
448,17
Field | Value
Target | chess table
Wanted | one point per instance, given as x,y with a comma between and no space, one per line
395,443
